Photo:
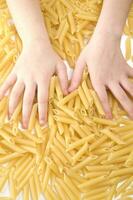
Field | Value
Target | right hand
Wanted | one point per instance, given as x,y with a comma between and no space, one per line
33,71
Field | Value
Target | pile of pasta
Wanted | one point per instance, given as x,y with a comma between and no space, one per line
80,154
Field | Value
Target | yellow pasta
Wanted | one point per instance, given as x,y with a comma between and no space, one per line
46,178
33,188
80,155
68,97
83,97
80,142
92,182
72,23
97,103
113,136
32,117
9,157
26,192
128,48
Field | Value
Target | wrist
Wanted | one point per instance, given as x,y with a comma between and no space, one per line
108,34
37,35
36,42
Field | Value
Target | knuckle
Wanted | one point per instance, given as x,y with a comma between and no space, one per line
43,101
15,94
27,102
103,101
75,82
122,98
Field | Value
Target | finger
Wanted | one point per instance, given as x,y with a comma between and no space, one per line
42,96
11,79
15,95
130,71
77,75
63,78
28,99
122,97
127,85
102,94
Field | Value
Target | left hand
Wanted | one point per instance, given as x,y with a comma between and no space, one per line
108,70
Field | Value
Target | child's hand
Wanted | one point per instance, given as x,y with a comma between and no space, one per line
33,70
108,69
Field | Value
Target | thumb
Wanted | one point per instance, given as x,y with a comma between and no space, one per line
63,78
77,75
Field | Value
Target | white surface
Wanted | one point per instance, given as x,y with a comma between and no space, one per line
20,197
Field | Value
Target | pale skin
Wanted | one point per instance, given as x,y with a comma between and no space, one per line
38,61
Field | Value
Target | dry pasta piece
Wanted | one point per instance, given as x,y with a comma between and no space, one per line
97,143
128,48
94,191
120,172
60,127
124,185
83,97
31,136
63,32
33,188
22,165
129,160
13,193
100,167
87,93
120,152
77,103
25,171
97,103
7,158
7,58
69,97
52,165
112,136
52,88
92,182
65,120
81,152
6,136
77,128
33,117
58,89
80,142
70,194
46,178
111,192
84,163
25,180
61,192
38,129
71,186
26,192
72,23
13,146
104,121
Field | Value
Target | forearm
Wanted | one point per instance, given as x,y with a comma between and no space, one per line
28,20
113,16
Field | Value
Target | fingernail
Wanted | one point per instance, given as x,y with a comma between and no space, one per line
10,115
109,116
25,126
42,122
69,89
65,92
